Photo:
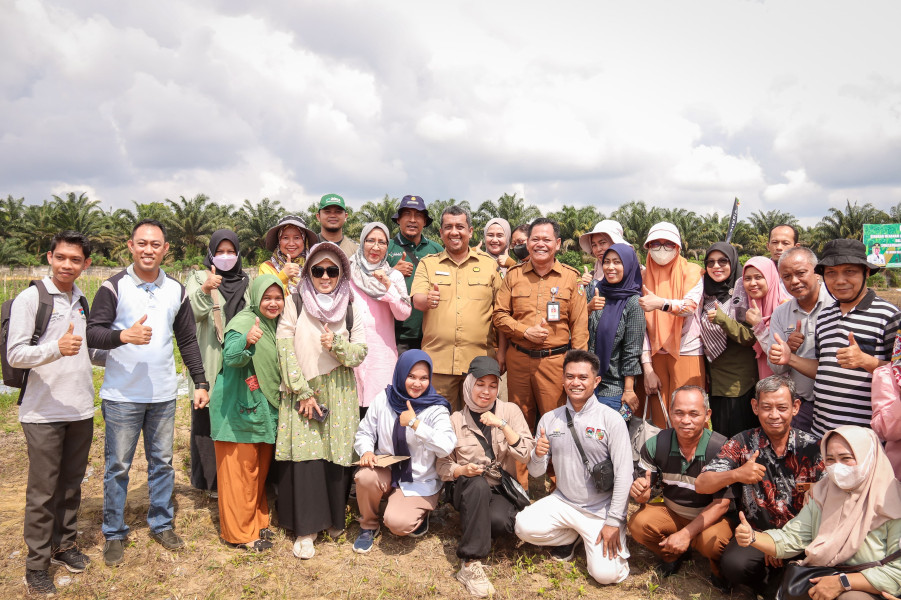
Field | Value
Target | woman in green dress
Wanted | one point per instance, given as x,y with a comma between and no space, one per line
244,415
320,339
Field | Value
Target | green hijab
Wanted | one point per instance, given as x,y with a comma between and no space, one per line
265,356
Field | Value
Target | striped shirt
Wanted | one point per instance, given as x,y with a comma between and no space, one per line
842,396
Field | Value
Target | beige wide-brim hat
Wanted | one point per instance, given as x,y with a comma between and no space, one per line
664,231
608,226
272,234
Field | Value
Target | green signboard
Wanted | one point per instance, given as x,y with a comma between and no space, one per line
883,244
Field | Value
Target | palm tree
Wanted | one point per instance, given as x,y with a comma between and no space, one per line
254,221
574,222
848,223
764,222
636,219
436,207
380,212
190,224
78,213
12,211
514,210
38,221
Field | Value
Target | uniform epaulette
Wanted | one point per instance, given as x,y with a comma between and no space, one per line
573,269
516,266
482,253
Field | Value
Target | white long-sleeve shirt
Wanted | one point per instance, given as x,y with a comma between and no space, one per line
432,439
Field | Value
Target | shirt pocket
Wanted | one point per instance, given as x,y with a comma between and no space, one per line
445,288
252,411
521,295
479,287
564,298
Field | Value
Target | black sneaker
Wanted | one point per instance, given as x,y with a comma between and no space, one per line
423,527
39,582
72,559
113,552
665,569
566,552
168,539
267,534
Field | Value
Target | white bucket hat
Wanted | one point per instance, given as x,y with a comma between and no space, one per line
664,231
608,226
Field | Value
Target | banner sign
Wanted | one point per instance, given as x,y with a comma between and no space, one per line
883,244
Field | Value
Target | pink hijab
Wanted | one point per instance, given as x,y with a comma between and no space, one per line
775,294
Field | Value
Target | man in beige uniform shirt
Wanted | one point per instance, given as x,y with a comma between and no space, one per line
455,290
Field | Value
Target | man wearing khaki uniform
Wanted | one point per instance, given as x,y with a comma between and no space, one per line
455,291
542,310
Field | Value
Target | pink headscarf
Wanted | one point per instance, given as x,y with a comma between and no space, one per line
775,294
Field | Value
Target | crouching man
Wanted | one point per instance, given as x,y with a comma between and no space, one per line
686,519
581,435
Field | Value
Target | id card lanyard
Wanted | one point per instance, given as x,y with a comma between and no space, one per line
553,307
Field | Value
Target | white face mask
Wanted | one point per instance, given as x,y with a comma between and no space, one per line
845,477
325,300
662,256
225,262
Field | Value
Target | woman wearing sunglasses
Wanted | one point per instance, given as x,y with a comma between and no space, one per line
320,340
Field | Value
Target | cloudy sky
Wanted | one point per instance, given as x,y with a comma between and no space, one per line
792,104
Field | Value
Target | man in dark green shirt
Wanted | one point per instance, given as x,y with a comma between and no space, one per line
404,252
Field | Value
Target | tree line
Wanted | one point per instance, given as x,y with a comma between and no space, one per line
26,229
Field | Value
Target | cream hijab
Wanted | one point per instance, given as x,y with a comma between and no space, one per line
848,516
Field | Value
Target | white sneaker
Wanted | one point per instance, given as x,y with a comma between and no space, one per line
303,547
473,577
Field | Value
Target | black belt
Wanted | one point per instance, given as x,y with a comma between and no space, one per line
544,352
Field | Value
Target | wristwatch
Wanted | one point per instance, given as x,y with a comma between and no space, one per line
503,424
844,581
202,386
665,306
412,423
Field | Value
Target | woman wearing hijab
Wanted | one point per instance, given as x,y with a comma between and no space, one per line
411,421
244,416
383,290
852,518
596,242
216,295
289,241
764,291
672,292
616,332
484,512
319,410
727,342
497,240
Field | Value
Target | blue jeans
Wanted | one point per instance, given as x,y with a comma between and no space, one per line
613,402
124,423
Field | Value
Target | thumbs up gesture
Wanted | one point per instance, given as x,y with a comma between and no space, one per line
291,268
597,302
743,533
586,276
407,416
650,301
542,444
796,337
753,316
641,487
853,357
403,266
751,471
138,334
327,339
69,344
255,333
212,281
780,351
433,297
537,333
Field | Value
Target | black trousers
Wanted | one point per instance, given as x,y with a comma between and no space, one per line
746,566
483,514
203,452
312,495
730,416
57,460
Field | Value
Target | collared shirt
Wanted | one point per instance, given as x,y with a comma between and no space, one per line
459,328
842,396
678,474
776,499
522,302
347,245
411,328
784,320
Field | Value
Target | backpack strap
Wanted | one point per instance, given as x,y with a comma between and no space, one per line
661,452
41,321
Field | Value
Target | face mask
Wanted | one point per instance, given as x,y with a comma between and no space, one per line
845,477
325,301
520,251
225,262
662,256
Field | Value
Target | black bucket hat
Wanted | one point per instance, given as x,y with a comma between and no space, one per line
844,252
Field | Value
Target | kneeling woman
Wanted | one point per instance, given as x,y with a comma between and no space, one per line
853,518
244,415
490,434
408,419
318,414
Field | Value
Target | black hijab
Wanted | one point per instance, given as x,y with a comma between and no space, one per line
722,291
234,281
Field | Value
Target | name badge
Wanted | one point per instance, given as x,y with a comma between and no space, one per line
447,273
553,307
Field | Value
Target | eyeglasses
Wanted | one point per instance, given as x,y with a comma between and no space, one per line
719,262
655,245
376,243
318,271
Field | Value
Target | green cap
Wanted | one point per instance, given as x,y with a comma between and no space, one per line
332,200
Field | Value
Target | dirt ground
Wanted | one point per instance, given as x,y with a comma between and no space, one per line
206,568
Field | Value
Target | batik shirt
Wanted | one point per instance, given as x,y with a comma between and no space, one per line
776,499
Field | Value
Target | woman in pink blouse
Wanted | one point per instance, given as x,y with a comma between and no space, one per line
385,294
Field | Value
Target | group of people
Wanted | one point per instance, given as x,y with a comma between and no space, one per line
404,371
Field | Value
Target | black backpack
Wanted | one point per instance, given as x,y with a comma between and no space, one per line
18,378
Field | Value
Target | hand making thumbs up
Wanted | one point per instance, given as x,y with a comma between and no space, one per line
641,487
403,266
254,335
751,471
327,339
753,316
433,297
537,333
853,357
291,268
212,281
597,303
542,444
407,416
138,334
744,534
650,301
586,276
69,344
780,352
796,337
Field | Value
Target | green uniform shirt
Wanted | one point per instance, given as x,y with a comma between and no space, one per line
411,329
